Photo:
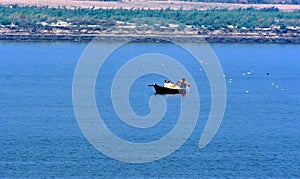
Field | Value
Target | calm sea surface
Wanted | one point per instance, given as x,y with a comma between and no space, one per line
259,135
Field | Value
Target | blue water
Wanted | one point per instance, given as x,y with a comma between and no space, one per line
259,135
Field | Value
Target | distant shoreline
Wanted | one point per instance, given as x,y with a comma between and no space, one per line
147,38
33,23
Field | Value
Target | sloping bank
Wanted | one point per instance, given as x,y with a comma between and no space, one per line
151,38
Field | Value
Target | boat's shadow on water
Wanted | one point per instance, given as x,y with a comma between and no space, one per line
170,95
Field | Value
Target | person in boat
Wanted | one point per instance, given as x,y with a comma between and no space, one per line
183,83
168,84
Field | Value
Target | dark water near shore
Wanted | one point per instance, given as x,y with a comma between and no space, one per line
259,135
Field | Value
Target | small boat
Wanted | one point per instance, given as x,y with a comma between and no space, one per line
164,90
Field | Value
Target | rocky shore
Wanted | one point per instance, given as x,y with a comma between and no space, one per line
153,38
228,35
63,31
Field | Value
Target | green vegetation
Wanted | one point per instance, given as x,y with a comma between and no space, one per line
34,17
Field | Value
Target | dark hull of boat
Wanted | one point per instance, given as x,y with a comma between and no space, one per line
163,90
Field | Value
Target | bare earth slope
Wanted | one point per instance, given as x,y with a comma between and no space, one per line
145,4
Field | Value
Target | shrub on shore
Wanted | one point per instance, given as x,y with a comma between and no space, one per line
39,17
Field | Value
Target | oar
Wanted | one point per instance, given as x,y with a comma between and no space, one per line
152,84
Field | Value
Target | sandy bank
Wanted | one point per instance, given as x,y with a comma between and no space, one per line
154,38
